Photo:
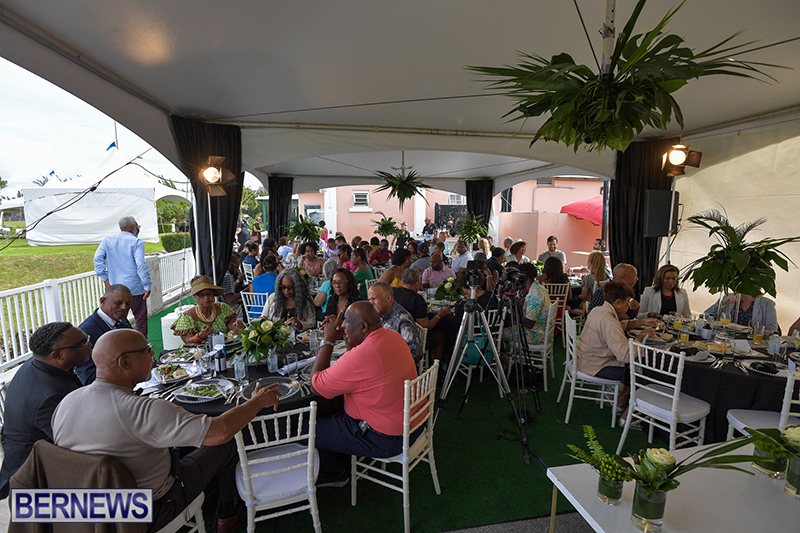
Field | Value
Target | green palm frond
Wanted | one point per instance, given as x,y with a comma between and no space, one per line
599,112
403,188
386,227
305,229
472,227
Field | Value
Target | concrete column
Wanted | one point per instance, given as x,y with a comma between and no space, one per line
329,211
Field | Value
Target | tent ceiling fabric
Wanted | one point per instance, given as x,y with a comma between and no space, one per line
390,65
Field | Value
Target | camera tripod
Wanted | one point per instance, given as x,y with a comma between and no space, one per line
473,310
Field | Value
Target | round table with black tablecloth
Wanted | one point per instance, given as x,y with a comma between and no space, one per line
729,388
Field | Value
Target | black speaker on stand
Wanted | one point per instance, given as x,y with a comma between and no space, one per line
656,213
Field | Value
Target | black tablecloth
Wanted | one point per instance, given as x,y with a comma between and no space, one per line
729,388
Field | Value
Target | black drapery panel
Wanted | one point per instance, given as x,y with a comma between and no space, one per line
280,205
638,169
196,141
479,198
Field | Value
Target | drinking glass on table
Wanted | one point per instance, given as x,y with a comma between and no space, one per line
724,318
758,334
291,365
796,340
677,324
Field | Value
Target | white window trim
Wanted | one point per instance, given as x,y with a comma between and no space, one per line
360,208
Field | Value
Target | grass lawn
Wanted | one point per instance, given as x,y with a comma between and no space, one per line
21,264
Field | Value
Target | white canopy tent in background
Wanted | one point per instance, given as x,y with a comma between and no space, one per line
124,190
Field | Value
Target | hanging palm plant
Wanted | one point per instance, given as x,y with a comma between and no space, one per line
610,110
733,264
403,186
386,227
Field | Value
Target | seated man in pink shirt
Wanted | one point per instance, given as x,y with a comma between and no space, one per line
436,273
370,376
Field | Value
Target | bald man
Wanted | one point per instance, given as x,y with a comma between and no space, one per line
138,431
395,317
628,276
370,376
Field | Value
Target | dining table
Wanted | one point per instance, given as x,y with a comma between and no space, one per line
727,386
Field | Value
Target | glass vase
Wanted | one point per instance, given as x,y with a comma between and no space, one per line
647,512
609,492
772,467
793,477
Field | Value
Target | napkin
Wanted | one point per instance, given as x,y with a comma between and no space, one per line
294,367
767,368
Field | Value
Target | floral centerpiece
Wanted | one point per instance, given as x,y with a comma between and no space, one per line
612,475
655,471
782,446
261,336
449,289
308,278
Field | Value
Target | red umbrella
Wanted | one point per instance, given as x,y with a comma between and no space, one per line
591,210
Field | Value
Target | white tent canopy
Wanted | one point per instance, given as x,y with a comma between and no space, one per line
123,189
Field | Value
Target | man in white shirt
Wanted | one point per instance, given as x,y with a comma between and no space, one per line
463,256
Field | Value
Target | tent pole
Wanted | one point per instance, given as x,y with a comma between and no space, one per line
197,264
671,219
604,228
211,240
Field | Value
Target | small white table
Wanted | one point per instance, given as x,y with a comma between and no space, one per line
708,501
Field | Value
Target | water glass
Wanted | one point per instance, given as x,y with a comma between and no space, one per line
240,370
291,365
313,341
758,334
207,361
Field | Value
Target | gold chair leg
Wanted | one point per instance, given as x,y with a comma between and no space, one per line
553,510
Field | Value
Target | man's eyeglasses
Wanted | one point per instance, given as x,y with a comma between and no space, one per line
84,344
148,348
342,282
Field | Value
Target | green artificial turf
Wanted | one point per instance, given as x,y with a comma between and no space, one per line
482,475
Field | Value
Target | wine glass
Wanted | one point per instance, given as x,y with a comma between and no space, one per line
796,340
724,318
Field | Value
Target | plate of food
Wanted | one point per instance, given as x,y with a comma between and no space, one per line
184,354
206,390
173,372
713,347
286,386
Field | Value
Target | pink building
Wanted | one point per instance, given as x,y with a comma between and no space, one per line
533,215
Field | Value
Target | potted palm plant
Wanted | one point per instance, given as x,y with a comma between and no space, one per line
733,264
304,229
471,228
386,226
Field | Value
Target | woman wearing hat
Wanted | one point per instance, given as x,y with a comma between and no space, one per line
207,316
518,250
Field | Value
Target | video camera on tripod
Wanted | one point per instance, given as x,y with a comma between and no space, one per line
512,280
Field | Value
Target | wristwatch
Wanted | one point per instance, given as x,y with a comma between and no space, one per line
325,343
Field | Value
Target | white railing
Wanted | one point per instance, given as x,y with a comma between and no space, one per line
175,269
72,299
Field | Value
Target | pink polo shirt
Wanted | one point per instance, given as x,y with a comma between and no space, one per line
371,377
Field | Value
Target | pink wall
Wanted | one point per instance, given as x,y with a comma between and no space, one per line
573,234
551,199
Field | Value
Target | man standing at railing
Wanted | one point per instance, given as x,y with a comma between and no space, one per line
120,260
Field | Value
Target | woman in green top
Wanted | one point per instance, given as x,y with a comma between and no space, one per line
206,317
362,271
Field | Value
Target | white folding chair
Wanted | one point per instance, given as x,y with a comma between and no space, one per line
191,517
247,268
542,353
278,469
657,400
370,282
558,293
418,404
605,390
425,362
252,300
739,419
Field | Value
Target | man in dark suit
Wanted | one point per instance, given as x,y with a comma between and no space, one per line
112,314
36,390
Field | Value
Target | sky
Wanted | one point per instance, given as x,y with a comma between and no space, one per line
44,129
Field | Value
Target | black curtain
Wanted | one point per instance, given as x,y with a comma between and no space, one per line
280,205
479,198
196,141
638,169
